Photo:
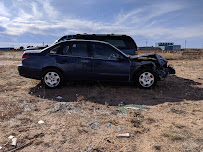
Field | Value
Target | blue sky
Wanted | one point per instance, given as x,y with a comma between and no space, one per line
31,22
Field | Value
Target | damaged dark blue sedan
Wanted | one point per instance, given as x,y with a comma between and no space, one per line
92,60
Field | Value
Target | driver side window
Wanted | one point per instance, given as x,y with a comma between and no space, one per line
105,52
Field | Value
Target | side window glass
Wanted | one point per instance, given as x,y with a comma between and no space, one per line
66,50
55,50
104,52
116,43
79,49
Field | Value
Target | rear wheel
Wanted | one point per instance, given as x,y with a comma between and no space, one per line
146,78
52,78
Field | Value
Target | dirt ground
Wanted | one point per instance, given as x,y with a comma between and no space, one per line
87,116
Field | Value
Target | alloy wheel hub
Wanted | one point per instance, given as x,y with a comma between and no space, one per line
146,79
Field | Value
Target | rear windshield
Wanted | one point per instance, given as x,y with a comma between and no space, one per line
121,42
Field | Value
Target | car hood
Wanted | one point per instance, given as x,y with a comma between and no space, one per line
162,61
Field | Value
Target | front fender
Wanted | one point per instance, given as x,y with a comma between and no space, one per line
139,66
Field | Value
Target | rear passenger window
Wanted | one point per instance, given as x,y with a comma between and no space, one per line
66,50
79,49
75,49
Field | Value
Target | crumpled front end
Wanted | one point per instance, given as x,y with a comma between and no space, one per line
156,62
164,72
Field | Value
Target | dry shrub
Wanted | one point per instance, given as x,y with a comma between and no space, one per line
112,120
180,126
177,111
157,147
176,134
10,112
180,56
150,120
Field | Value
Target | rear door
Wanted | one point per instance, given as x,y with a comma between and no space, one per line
75,61
106,65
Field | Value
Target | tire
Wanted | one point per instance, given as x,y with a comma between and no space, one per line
146,78
52,78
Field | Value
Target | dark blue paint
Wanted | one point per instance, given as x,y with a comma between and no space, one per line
120,68
74,67
110,70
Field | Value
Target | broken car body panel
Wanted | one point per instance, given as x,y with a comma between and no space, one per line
157,62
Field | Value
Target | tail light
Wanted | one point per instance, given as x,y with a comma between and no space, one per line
24,57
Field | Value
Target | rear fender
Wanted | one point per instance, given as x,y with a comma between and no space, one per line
51,67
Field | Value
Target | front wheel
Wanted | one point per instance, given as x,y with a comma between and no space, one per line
52,78
146,78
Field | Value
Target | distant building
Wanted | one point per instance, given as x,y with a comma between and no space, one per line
168,46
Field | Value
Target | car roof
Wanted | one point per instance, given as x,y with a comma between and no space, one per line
99,34
81,40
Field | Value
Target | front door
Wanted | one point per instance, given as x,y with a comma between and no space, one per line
106,65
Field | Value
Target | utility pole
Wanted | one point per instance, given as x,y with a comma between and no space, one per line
185,44
146,42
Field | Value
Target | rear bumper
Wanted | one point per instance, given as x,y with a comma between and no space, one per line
29,72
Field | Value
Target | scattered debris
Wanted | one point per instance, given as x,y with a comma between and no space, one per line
157,147
1,147
27,106
11,137
82,131
107,140
177,111
122,103
14,141
41,122
22,146
126,109
28,143
109,124
59,97
94,124
120,129
123,135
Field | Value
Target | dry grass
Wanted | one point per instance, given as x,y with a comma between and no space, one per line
10,55
176,134
177,55
81,122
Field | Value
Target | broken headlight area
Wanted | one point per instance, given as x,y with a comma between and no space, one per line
164,73
171,69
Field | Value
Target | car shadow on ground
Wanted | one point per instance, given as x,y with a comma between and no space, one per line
174,89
